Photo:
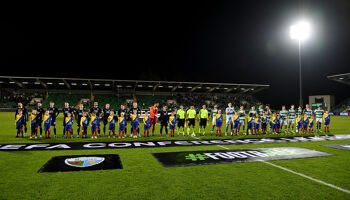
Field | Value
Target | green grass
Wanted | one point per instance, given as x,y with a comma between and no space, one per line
144,178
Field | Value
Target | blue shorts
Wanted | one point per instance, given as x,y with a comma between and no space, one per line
256,127
263,126
93,127
47,126
311,125
172,127
67,128
326,122
250,125
236,124
146,126
135,125
111,127
19,125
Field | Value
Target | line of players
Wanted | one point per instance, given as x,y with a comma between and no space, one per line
256,120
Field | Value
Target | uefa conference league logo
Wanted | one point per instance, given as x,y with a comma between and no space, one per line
84,161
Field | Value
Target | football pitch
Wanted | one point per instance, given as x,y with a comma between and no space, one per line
144,177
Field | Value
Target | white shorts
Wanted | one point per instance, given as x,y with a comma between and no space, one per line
283,122
290,121
318,120
241,122
214,121
229,119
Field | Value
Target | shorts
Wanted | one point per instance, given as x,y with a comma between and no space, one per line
111,127
121,128
191,122
67,128
250,125
299,126
256,127
229,119
53,122
47,127
135,125
283,122
305,125
19,126
172,127
242,122
263,125
327,123
105,121
203,122
213,122
34,128
319,120
146,126
153,121
311,125
181,123
236,124
94,127
290,121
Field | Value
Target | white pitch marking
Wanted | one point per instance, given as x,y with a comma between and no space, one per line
297,173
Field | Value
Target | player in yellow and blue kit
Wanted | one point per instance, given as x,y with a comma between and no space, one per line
327,120
274,121
122,124
135,123
218,122
172,123
94,123
33,125
250,124
306,122
47,124
146,124
20,121
235,122
68,128
257,122
84,124
311,124
111,119
299,124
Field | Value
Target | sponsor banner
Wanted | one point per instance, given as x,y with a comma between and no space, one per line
173,143
190,158
82,163
345,146
344,114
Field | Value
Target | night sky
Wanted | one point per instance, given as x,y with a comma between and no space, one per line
220,41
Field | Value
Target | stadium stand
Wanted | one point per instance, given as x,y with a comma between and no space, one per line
30,90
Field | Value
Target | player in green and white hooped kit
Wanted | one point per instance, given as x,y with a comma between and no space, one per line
203,119
319,114
213,113
307,111
283,120
300,111
291,119
253,112
241,114
260,110
191,119
268,117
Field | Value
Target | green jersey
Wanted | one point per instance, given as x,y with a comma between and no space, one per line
261,111
181,114
241,114
214,112
191,113
291,114
253,112
319,113
284,114
203,114
299,112
268,115
308,112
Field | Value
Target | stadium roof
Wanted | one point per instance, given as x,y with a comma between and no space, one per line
49,83
341,78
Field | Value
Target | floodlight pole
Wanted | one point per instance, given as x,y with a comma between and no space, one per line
300,83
